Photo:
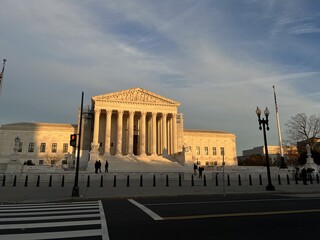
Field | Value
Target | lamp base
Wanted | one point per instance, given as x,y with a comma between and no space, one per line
75,191
270,188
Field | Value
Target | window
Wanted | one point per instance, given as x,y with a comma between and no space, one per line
54,147
197,150
42,147
214,151
20,147
65,147
206,151
31,147
222,151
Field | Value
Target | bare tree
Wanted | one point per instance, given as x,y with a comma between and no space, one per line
302,128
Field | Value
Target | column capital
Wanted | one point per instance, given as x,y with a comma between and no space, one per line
109,110
143,113
120,111
97,110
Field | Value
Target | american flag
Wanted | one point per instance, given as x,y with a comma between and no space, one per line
2,72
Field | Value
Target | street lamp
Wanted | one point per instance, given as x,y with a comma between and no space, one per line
223,164
75,189
265,122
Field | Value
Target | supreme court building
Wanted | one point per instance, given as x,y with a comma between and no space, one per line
128,128
144,125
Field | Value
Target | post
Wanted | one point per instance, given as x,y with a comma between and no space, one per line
265,122
75,189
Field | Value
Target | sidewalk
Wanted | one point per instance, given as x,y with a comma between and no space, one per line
44,193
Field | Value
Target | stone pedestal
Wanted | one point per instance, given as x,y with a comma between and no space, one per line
14,165
310,163
94,156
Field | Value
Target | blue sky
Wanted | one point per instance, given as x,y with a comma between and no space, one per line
219,59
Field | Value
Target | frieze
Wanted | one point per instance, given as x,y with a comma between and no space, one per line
136,95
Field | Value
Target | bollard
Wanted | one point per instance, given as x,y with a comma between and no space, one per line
192,180
167,181
141,181
250,180
128,181
204,180
62,181
15,181
311,179
279,179
288,180
260,179
4,181
101,181
26,181
228,180
296,178
217,181
239,179
50,181
316,176
38,181
154,180
88,181
114,180
180,180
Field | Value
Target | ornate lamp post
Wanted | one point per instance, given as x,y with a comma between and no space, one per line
265,122
75,189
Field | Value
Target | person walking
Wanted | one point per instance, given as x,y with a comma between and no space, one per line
106,166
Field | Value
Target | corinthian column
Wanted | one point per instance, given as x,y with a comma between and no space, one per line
164,134
143,134
96,126
154,133
174,133
131,133
119,136
108,132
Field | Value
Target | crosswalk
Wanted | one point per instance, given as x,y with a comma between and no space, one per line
68,220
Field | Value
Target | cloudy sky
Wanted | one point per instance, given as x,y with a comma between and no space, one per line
219,59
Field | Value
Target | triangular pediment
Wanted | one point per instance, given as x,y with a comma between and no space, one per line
135,95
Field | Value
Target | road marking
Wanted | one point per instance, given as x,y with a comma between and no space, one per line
230,201
223,215
43,219
146,210
104,227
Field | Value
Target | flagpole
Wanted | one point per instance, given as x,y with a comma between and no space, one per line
283,164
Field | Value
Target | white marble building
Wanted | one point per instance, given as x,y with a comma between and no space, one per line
134,129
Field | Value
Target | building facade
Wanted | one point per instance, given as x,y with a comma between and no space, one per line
40,143
135,123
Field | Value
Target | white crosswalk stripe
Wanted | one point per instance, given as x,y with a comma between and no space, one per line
53,221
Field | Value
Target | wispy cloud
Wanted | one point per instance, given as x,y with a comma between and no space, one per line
218,58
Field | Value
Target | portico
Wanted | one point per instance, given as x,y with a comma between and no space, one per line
134,122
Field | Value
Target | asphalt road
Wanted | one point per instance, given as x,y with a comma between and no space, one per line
214,217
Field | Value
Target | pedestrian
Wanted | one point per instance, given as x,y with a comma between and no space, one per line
106,166
99,166
200,169
195,167
96,166
304,176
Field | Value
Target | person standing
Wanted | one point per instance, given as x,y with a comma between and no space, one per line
96,166
106,166
195,167
99,166
200,169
